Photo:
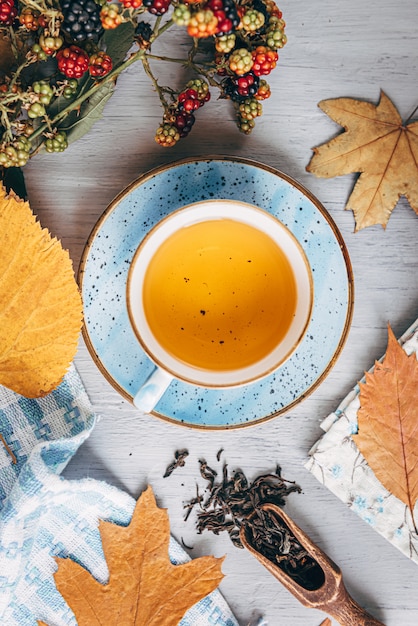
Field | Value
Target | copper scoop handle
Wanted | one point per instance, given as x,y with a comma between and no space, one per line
331,595
347,612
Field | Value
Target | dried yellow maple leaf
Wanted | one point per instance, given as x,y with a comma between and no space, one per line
326,622
41,311
388,422
378,145
144,588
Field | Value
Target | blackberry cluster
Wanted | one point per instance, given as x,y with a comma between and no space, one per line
81,20
64,59
179,118
227,15
238,88
143,34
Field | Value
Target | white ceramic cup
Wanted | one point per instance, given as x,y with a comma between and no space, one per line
167,366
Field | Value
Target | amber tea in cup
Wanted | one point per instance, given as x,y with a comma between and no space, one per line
219,293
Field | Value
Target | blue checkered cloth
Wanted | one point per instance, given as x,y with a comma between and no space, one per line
42,515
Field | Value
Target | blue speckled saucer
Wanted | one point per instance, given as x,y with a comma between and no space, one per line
115,238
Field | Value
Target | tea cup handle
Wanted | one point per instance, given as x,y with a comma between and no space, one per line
152,390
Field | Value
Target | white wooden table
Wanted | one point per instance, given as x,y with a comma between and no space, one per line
335,49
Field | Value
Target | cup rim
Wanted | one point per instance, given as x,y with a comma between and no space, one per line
245,379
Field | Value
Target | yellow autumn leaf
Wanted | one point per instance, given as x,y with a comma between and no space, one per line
41,310
377,144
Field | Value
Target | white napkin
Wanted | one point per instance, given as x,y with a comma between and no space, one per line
43,515
337,463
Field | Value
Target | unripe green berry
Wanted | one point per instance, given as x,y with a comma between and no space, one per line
167,135
44,91
16,154
275,35
181,15
245,126
36,110
252,20
50,44
200,86
40,54
58,143
241,61
70,89
250,109
22,144
225,43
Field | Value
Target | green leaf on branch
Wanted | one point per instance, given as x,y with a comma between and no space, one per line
119,43
91,111
80,121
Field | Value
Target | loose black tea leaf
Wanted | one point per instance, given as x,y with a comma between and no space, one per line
234,504
185,545
192,503
207,472
270,536
179,461
233,499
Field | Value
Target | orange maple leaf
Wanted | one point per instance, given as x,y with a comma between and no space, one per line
388,422
144,588
378,145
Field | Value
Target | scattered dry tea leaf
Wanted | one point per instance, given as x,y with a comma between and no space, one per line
144,588
41,311
378,145
388,422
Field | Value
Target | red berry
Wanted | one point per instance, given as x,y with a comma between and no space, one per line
100,64
8,12
264,60
157,7
189,100
205,99
131,4
184,122
226,13
244,83
73,62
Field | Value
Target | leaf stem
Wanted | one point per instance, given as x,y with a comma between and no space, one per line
160,31
160,90
409,118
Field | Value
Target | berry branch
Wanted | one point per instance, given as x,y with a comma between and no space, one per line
59,61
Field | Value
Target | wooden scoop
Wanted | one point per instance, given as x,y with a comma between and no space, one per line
328,593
